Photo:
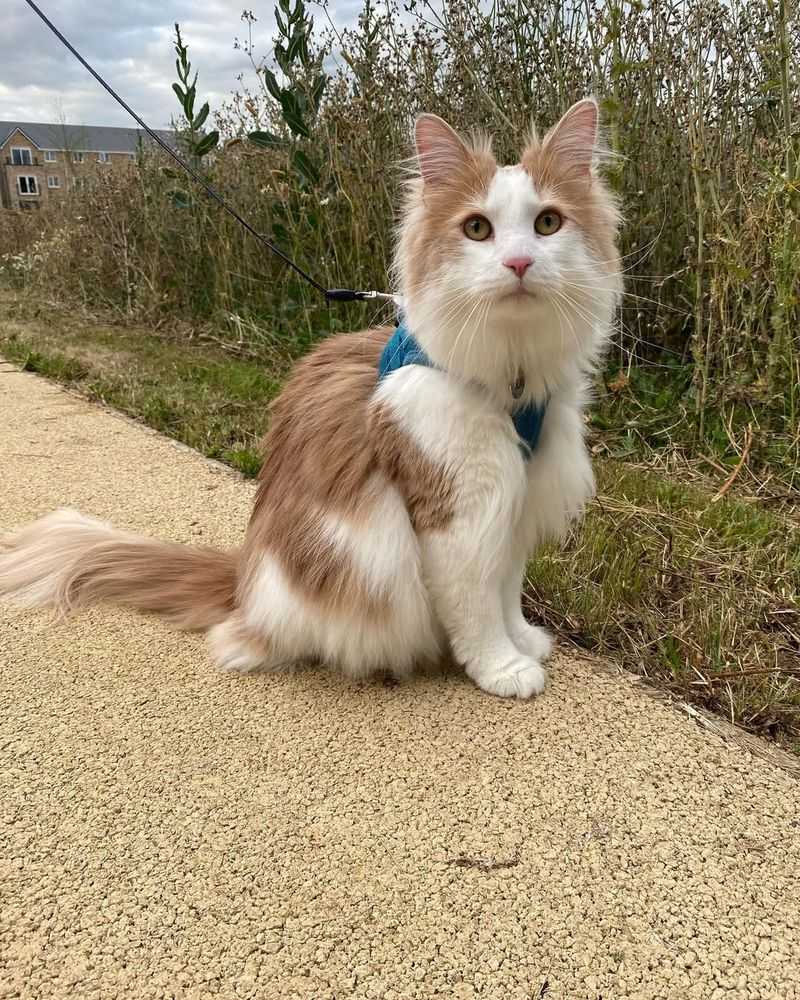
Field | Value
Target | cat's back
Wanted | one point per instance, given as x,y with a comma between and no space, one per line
343,367
318,431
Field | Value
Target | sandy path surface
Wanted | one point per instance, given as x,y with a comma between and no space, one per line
168,831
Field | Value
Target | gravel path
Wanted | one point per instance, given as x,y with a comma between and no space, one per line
169,831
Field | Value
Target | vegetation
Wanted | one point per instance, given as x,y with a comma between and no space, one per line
701,101
192,391
698,595
694,582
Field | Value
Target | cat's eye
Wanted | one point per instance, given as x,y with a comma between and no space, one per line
477,228
547,222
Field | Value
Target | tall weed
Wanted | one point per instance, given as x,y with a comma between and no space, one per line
701,101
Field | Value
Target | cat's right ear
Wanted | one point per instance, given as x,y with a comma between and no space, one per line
440,150
575,137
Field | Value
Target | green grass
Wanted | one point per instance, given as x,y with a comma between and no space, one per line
197,395
649,410
697,595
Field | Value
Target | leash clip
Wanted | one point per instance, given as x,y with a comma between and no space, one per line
350,295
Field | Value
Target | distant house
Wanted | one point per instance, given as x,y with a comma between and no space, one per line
39,162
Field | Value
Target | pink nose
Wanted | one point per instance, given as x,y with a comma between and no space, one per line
519,265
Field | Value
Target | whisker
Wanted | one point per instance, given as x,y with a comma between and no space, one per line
451,355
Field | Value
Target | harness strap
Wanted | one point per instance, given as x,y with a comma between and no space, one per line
403,349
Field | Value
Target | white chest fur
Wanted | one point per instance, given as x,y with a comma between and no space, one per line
459,427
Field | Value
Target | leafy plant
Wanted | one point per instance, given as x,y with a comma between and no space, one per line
196,142
297,99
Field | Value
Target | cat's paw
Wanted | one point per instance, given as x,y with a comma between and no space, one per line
534,642
520,677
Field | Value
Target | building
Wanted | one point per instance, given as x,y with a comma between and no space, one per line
40,162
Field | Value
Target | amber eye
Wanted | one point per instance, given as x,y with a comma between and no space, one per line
547,222
477,228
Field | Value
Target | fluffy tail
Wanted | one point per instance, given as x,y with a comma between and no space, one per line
66,560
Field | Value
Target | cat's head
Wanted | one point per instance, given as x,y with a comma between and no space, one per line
510,269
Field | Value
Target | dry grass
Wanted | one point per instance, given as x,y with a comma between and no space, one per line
697,595
701,101
193,392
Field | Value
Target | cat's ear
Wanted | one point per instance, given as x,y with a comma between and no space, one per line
574,140
440,150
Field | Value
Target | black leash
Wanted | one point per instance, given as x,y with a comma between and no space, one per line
331,294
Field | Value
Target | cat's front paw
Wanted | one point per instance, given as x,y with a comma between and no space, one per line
534,642
520,677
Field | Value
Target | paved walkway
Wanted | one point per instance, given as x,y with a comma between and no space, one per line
169,831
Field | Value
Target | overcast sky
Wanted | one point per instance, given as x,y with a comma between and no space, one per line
129,43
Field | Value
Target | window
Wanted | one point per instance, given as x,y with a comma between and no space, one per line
79,183
78,157
50,156
103,158
21,157
27,185
53,181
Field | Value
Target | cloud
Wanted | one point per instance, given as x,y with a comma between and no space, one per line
129,43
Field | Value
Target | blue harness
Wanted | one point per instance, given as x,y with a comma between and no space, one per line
402,349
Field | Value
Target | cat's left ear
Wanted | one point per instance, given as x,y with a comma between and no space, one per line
574,140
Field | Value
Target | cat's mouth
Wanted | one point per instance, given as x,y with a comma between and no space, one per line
518,294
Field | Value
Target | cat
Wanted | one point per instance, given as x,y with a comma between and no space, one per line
409,474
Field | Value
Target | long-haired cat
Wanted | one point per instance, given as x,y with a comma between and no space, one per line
408,474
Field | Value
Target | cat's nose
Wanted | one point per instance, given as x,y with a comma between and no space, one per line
519,265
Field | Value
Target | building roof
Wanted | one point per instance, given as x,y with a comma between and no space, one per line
83,138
